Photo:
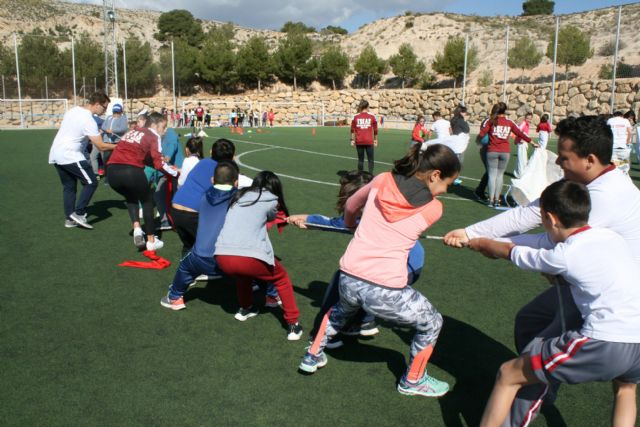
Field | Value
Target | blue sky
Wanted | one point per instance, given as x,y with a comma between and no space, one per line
349,14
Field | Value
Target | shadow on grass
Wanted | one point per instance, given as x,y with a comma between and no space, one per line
100,209
462,191
362,352
314,291
221,292
473,358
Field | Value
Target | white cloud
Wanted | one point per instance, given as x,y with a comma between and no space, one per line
274,13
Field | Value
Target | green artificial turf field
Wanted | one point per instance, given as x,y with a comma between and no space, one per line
84,342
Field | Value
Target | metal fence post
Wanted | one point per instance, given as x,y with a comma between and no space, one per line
124,69
553,78
464,72
73,66
506,65
173,77
615,62
15,47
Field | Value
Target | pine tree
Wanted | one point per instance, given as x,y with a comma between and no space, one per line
405,64
524,55
368,65
334,65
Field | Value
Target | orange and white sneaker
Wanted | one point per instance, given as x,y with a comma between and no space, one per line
173,304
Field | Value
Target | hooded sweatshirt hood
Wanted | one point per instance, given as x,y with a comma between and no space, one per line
400,197
216,196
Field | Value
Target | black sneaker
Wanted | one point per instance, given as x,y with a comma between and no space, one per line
335,342
246,313
480,196
294,332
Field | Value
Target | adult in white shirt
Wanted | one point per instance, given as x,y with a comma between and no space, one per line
622,134
440,126
584,153
78,128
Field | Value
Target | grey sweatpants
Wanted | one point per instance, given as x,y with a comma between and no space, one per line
404,307
540,319
496,165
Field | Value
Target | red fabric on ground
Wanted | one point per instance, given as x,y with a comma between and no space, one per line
157,262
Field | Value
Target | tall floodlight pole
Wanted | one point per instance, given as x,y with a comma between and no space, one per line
110,48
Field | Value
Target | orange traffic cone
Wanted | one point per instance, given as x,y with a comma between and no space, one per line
313,131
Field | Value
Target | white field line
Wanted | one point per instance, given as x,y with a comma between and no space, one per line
324,154
240,163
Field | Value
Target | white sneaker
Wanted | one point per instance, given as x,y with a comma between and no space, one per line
138,237
202,278
81,220
70,223
155,245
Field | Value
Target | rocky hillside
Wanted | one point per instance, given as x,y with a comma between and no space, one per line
426,33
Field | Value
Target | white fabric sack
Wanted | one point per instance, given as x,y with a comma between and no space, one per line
458,143
541,171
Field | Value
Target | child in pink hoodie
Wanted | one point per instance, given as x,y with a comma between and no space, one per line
398,207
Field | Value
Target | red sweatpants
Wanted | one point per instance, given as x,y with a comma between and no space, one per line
246,269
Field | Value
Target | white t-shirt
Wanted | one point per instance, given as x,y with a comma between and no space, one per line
187,164
73,136
615,205
441,127
603,277
620,128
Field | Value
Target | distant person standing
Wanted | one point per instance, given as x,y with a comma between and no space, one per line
113,128
622,132
440,126
270,116
199,124
523,155
544,130
77,129
364,135
264,119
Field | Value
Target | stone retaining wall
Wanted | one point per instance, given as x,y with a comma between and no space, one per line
575,97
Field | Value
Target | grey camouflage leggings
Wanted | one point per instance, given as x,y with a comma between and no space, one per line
404,307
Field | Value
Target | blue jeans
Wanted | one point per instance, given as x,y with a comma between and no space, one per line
191,267
70,174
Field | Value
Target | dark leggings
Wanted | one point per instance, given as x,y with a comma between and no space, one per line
482,186
361,149
131,182
186,225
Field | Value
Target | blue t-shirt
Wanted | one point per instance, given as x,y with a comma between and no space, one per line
197,183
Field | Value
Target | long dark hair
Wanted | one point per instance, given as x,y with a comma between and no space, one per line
499,108
350,183
434,157
265,180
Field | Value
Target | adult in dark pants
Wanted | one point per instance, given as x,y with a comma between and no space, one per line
364,135
125,172
78,128
186,202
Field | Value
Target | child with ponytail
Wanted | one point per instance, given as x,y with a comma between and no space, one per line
244,251
397,208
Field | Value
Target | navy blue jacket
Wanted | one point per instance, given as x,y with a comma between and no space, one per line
212,212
